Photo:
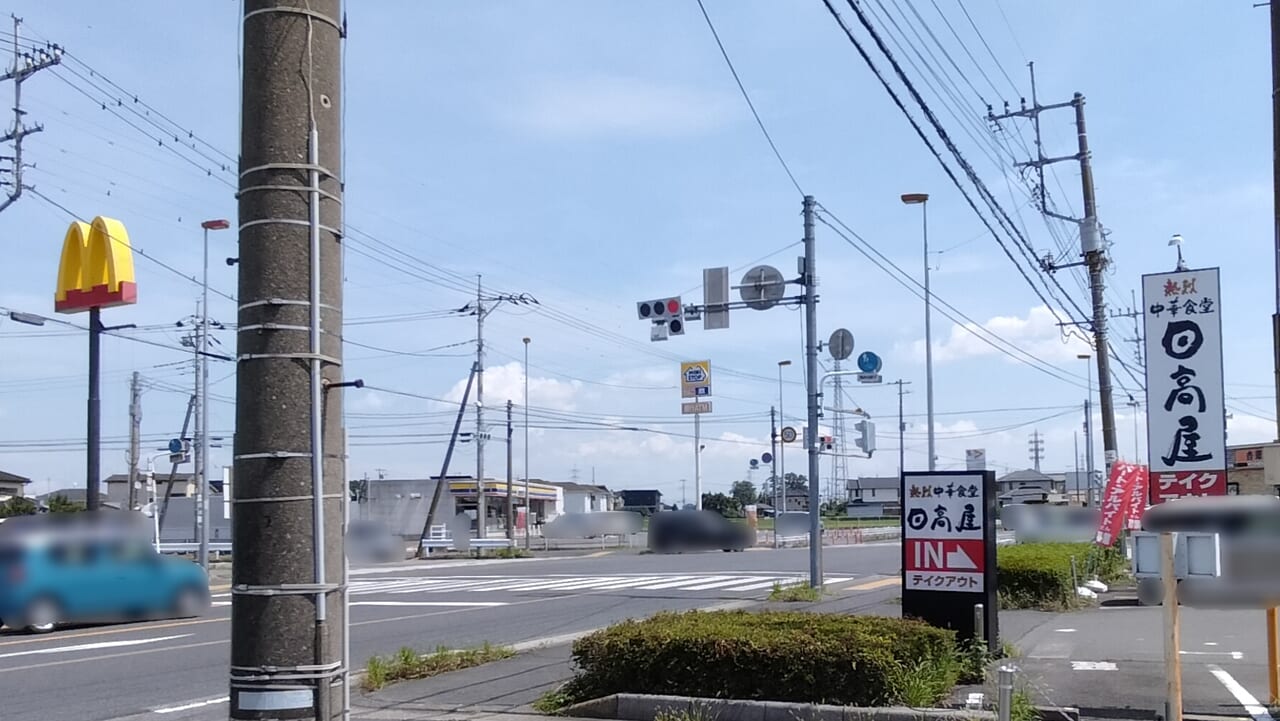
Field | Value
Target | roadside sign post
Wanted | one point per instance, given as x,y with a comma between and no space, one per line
1186,411
1172,655
695,384
949,551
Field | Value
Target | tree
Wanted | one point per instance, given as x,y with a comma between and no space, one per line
726,506
744,492
18,506
59,503
796,483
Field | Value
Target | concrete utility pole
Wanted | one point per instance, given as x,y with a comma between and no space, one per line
1091,248
511,514
902,430
482,515
25,64
777,482
135,437
697,460
1273,619
810,281
922,199
288,627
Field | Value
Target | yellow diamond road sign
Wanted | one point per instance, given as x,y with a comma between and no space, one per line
695,379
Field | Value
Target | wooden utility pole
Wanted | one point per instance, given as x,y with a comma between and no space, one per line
288,624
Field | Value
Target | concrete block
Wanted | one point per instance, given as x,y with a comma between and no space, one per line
634,707
600,708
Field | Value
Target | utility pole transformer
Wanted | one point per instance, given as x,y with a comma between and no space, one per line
135,437
1091,247
288,624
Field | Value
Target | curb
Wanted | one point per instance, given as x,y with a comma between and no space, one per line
638,707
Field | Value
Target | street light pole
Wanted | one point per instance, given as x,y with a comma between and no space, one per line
922,199
528,505
203,470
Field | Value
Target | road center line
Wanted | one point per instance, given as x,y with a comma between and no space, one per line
1246,699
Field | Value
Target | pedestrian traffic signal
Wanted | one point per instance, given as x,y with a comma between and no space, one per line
668,311
866,439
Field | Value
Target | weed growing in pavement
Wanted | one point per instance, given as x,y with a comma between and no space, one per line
924,682
1021,708
552,701
795,592
696,712
407,664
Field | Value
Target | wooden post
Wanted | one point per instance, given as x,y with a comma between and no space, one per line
1273,657
1172,657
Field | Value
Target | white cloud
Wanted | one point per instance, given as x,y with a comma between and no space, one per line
1037,334
609,105
506,382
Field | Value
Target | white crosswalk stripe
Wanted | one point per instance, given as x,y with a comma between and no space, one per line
676,583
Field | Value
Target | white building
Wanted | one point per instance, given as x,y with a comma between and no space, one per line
584,498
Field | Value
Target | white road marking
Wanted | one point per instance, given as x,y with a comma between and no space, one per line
92,646
193,705
671,583
1092,666
715,582
1064,630
763,584
1236,655
428,566
1211,643
444,604
1246,699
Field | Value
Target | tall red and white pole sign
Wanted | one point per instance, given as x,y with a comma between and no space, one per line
1186,411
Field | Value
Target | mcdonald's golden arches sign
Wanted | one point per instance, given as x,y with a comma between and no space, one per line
97,267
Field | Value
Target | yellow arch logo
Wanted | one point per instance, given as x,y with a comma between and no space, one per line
97,267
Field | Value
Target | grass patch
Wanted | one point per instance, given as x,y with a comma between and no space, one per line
697,712
771,655
1021,707
510,552
407,664
795,593
1045,575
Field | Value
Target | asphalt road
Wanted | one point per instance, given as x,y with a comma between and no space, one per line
1109,662
178,669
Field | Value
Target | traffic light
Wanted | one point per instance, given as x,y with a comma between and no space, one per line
669,311
866,439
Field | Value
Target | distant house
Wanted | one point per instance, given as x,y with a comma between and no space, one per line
1030,486
873,497
584,498
12,485
118,485
642,502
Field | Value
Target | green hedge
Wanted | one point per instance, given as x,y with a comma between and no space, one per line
1038,575
776,656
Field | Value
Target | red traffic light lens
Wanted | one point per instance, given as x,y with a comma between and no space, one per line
673,306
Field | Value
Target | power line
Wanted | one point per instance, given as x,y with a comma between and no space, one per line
745,96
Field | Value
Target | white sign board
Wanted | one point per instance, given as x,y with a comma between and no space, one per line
1186,413
975,459
695,408
944,545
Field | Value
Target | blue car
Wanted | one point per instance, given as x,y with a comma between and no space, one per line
58,572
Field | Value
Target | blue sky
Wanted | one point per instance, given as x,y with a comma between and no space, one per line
594,154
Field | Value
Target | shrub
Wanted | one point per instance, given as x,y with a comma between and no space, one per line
773,655
1039,575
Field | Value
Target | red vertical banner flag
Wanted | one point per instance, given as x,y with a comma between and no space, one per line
1115,503
1138,491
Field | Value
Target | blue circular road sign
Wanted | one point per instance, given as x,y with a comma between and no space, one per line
175,445
869,362
766,458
